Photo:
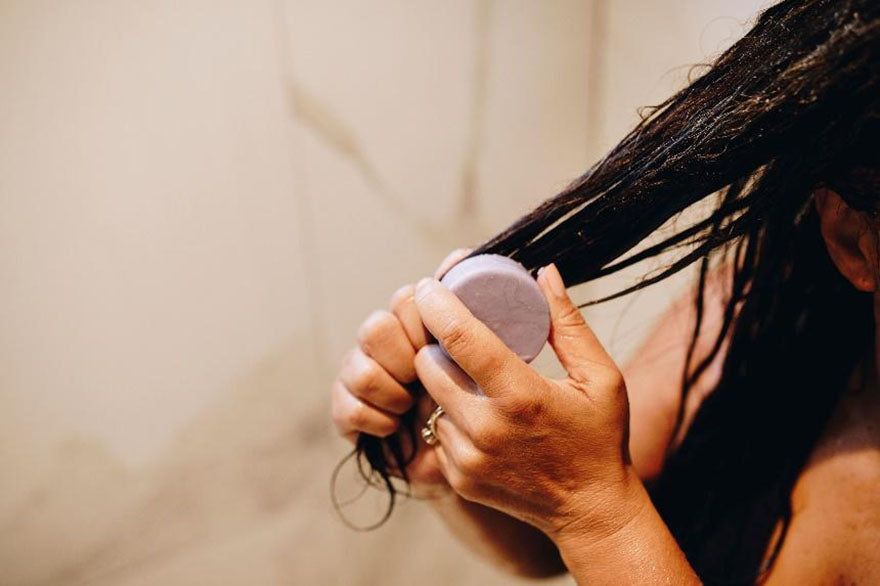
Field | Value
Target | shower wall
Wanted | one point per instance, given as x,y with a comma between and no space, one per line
199,202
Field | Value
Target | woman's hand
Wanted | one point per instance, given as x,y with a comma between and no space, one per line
374,386
552,453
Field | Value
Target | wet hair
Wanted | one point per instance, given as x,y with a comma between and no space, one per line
791,107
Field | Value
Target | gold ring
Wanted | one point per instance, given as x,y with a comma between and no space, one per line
429,432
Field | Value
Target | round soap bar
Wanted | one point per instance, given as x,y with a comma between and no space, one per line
501,293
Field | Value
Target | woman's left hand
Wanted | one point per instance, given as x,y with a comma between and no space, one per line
550,452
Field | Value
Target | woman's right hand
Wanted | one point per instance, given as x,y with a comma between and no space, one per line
370,392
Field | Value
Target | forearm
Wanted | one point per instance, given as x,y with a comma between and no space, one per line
509,543
640,551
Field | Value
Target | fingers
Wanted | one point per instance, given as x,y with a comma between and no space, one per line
423,469
447,384
383,338
459,460
476,349
403,306
450,261
575,344
351,415
367,380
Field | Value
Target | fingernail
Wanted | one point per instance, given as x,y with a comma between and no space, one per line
554,279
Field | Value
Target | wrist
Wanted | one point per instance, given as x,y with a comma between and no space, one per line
623,541
601,513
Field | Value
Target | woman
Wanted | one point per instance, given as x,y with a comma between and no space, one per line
761,463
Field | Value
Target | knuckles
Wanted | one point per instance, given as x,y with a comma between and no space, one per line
489,440
365,377
401,296
361,418
570,317
471,466
454,336
360,373
358,416
525,410
376,329
460,483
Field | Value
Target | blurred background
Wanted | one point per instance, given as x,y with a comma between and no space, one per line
201,200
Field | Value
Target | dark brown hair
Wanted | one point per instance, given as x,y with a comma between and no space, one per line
791,107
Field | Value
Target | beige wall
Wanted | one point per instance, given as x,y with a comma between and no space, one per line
199,201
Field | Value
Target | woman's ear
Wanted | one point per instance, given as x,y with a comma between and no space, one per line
851,242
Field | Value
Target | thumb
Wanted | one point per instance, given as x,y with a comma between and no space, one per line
574,343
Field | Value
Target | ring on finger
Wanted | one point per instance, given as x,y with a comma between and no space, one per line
429,432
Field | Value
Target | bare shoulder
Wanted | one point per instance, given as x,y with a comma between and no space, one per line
654,374
834,536
835,531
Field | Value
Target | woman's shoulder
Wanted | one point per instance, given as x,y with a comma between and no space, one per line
844,466
834,534
835,527
654,374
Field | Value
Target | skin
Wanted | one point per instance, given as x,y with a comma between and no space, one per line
544,475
